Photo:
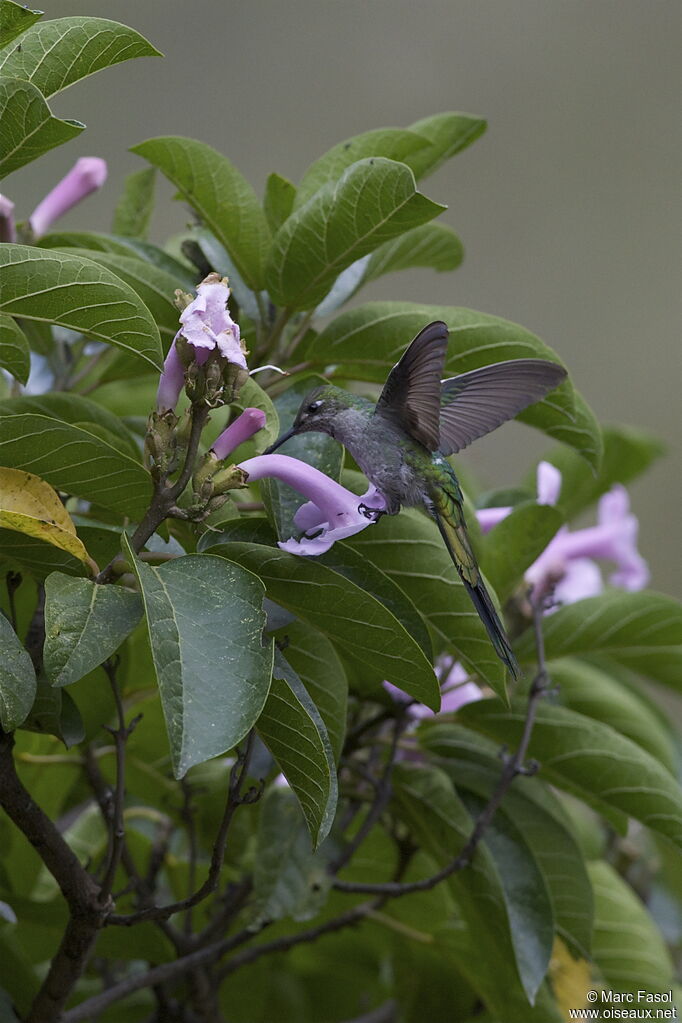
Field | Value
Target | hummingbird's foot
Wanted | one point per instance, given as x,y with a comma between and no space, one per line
311,535
374,514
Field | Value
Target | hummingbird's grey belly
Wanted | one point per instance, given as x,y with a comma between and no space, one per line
392,476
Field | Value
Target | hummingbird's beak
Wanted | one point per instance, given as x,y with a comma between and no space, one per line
280,440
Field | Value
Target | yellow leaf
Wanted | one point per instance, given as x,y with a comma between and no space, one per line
571,979
30,506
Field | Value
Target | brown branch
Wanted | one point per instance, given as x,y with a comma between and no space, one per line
513,767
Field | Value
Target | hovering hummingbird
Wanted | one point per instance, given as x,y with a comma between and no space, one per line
401,443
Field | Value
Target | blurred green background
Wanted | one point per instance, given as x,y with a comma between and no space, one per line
569,207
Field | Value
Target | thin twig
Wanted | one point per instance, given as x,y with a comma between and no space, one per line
12,583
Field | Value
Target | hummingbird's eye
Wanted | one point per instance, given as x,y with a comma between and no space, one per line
313,407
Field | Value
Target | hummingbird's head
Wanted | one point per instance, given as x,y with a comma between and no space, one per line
317,413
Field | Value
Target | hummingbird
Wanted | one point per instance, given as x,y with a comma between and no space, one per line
402,442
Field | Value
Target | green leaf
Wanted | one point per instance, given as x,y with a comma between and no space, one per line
15,355
316,449
14,20
590,759
278,201
134,209
220,261
515,542
84,624
627,946
628,452
373,201
17,678
288,880
367,341
440,823
122,246
154,286
27,125
432,245
55,54
76,461
632,628
587,689
526,896
221,196
292,729
447,134
205,622
352,619
319,668
75,292
55,713
36,557
410,550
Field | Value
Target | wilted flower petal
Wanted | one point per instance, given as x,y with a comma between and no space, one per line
206,322
86,176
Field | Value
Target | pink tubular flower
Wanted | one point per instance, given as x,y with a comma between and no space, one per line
568,563
206,326
249,422
7,229
456,688
332,512
86,176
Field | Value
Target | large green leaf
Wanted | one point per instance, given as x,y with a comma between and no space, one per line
432,245
55,713
589,690
17,678
288,879
221,196
367,341
75,292
36,557
447,134
278,201
373,201
317,449
134,208
317,664
410,550
515,542
155,287
121,245
389,143
628,947
292,729
28,126
628,452
590,759
57,53
352,619
631,628
205,622
426,800
84,624
15,19
15,355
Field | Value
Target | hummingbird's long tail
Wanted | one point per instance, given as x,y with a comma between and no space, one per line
446,509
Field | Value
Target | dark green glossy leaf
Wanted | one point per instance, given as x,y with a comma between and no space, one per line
134,209
628,627
373,201
36,557
352,619
17,678
84,624
590,759
446,134
205,622
55,713
15,19
514,544
389,143
319,668
28,126
55,54
294,732
220,194
367,341
15,355
278,201
75,292
410,550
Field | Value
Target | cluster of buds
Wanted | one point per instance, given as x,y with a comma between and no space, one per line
161,442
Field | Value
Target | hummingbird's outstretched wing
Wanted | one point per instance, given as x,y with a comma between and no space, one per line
412,392
477,402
